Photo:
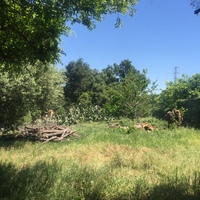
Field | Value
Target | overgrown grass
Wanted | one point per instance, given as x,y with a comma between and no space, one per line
104,164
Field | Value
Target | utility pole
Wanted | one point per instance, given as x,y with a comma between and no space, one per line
175,74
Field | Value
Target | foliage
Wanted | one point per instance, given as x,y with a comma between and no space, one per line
79,81
184,95
109,76
29,95
83,84
50,83
80,113
120,90
30,30
129,95
113,100
136,100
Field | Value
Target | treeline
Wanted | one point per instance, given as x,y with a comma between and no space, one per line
120,90
183,95
79,93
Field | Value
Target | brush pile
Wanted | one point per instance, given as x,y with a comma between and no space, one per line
48,133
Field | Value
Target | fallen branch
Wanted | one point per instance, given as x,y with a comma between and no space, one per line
47,140
55,133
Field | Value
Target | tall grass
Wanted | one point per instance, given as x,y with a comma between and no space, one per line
105,163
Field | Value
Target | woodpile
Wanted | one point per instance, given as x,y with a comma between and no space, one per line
46,134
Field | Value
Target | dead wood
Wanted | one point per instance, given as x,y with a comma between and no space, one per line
47,140
50,133
46,134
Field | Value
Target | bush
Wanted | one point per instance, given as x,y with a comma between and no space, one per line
79,113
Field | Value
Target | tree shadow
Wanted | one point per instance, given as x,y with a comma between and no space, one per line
8,141
29,182
39,181
174,192
161,192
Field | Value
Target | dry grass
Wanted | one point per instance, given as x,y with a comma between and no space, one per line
132,159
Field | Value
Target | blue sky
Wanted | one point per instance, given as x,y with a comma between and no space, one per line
161,35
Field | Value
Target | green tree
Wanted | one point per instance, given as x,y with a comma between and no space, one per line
108,74
84,85
135,94
184,95
98,88
113,100
29,94
128,95
30,30
79,80
124,68
50,82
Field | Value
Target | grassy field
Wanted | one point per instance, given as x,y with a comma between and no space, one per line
104,164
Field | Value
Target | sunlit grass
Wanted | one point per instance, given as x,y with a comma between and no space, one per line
105,163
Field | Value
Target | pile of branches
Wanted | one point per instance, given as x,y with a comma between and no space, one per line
48,133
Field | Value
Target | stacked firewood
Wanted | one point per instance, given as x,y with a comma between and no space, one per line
48,133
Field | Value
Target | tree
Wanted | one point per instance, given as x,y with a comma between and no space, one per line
109,75
30,30
124,68
128,95
114,99
184,95
135,94
121,90
30,94
79,80
98,88
49,81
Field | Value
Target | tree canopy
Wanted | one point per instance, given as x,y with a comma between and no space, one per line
30,30
121,90
79,80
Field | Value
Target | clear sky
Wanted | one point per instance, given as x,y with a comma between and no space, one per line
161,35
